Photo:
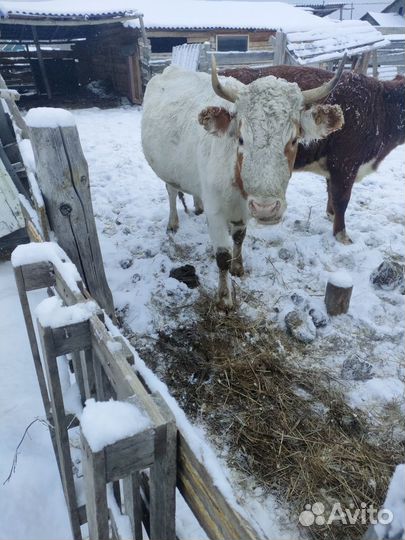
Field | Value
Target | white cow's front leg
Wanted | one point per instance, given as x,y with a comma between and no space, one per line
218,230
173,224
238,236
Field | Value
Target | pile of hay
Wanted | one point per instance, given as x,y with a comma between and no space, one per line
287,427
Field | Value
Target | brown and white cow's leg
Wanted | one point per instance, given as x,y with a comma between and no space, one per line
198,205
238,236
224,260
341,189
173,224
329,206
219,234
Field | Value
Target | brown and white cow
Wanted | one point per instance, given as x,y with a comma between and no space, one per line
374,113
232,146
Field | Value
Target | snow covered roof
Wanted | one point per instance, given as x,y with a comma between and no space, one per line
205,14
332,40
67,10
390,20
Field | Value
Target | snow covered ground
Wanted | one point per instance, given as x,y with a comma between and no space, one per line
31,503
296,256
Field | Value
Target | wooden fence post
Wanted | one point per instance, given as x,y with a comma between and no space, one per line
280,48
63,178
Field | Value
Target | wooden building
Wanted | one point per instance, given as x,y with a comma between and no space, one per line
46,47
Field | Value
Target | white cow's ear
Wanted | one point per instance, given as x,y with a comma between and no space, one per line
216,120
320,120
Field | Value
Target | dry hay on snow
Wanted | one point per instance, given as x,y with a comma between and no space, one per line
287,427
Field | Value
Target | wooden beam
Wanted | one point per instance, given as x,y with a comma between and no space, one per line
215,515
41,63
63,178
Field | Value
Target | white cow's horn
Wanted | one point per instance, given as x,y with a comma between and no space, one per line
222,92
316,94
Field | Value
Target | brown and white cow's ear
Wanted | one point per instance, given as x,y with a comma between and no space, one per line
319,121
216,120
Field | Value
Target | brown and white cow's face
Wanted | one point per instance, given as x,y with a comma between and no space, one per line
268,120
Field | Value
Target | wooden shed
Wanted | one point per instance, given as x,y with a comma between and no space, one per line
46,47
228,26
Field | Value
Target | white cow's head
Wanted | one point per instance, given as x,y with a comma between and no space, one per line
270,116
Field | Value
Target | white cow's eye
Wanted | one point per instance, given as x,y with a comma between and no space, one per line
294,141
241,141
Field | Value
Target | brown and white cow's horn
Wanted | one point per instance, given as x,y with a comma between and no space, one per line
222,92
316,94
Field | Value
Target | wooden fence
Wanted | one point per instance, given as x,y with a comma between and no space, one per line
145,469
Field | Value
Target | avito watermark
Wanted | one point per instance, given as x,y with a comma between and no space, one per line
317,514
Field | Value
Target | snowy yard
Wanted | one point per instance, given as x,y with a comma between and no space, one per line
291,259
295,256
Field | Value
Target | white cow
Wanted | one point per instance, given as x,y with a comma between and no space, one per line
232,146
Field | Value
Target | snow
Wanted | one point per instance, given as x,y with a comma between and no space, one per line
49,117
341,278
68,8
227,14
391,20
27,154
131,210
106,422
32,502
47,251
52,313
395,503
132,217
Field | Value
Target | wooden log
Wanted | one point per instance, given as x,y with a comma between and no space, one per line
64,181
95,490
337,295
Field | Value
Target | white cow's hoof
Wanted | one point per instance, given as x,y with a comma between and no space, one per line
172,228
343,238
237,269
225,302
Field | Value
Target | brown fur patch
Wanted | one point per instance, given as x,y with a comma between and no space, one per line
290,152
329,115
238,176
215,120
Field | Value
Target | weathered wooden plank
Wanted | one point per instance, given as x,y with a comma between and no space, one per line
162,478
38,275
79,376
133,503
22,293
71,338
129,454
121,375
88,374
95,490
60,427
125,349
215,515
64,182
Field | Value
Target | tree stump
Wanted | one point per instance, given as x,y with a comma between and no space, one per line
338,293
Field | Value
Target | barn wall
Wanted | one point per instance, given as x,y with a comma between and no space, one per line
258,40
112,54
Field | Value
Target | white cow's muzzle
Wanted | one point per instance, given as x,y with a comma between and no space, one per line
269,212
